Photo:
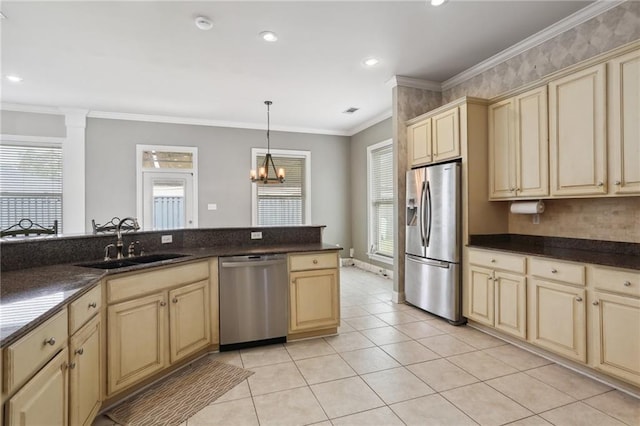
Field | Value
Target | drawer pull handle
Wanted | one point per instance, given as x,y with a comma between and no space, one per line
50,341
163,303
72,365
627,284
554,271
596,303
93,305
493,261
175,300
315,261
79,351
578,299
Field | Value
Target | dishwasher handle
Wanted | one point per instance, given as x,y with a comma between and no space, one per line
251,263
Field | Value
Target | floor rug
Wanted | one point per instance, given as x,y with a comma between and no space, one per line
181,395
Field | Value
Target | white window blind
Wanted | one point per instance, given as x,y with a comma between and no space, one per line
282,204
381,199
30,184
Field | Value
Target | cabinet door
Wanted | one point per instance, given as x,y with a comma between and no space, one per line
43,400
85,373
137,340
502,150
419,143
624,131
189,319
510,304
313,297
577,135
616,321
557,318
446,135
532,147
481,299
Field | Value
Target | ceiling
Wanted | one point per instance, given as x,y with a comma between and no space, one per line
149,58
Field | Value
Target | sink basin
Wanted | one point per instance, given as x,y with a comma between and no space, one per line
131,261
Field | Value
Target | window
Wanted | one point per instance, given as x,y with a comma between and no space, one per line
30,183
380,201
283,204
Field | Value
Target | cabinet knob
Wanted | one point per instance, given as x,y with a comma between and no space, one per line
595,303
50,341
512,189
554,271
578,299
175,300
600,183
315,261
93,305
617,183
626,284
163,303
72,365
79,351
493,261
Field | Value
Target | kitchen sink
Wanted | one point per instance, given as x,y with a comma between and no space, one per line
131,261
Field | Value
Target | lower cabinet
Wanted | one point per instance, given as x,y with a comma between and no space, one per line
189,324
314,301
480,295
44,399
510,303
85,373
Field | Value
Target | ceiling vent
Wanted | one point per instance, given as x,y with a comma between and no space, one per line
350,110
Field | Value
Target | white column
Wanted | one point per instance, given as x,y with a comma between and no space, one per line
73,172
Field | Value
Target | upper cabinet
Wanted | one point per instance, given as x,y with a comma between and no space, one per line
435,138
624,130
419,142
577,136
518,148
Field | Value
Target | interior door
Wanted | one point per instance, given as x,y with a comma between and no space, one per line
167,200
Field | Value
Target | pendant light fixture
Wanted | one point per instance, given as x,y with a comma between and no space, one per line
263,174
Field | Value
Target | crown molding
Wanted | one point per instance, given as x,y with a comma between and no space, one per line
416,83
373,121
37,109
571,21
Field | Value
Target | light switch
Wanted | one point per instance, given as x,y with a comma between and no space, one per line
212,206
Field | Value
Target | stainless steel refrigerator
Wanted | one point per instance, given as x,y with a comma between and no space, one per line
433,240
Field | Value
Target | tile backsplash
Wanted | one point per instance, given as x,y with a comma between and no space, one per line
611,219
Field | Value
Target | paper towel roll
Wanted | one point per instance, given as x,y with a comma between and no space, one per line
527,207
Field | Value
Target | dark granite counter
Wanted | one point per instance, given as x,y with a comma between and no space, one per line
606,253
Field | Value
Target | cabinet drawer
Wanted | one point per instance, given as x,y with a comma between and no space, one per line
27,355
497,260
81,310
142,283
301,262
620,281
555,270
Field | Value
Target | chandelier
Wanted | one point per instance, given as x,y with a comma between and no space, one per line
264,172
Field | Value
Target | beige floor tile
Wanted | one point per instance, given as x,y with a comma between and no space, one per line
418,330
409,352
431,410
349,341
369,360
619,405
345,328
232,357
446,345
264,355
378,308
397,317
240,391
378,416
476,338
309,349
530,393
420,314
486,405
445,326
481,365
239,412
324,368
567,381
385,335
397,384
346,396
352,312
516,357
531,421
579,414
365,322
274,378
290,407
442,375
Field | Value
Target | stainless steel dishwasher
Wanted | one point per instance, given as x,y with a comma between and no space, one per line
254,293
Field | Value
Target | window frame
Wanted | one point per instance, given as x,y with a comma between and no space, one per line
371,227
255,153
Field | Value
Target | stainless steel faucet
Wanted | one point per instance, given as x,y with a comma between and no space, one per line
119,244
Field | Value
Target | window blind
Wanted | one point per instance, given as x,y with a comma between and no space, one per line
381,181
30,184
282,204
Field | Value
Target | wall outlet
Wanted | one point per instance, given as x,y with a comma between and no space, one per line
166,239
256,235
351,252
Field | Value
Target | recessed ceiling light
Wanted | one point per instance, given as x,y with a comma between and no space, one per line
370,62
204,23
437,2
14,78
350,110
269,36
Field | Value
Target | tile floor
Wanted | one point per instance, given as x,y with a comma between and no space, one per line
396,365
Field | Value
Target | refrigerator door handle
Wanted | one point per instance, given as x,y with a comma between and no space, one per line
427,218
422,204
429,262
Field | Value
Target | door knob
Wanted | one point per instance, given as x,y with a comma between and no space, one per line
175,300
578,299
595,303
50,341
163,303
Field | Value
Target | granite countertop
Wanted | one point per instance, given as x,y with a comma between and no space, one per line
606,253
28,297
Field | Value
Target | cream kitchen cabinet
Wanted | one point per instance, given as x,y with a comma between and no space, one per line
189,325
577,133
86,373
518,146
434,138
624,132
497,291
419,143
314,290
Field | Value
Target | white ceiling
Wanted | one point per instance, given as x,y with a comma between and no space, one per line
149,58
